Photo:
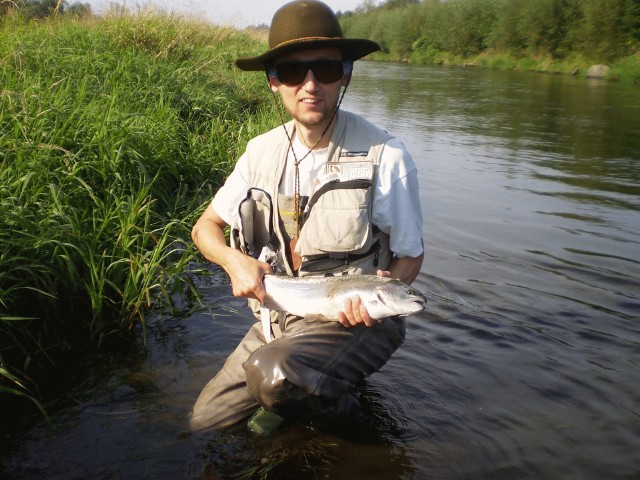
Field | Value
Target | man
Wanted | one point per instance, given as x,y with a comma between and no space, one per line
326,193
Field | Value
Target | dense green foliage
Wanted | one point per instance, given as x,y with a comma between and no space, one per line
113,135
523,34
44,8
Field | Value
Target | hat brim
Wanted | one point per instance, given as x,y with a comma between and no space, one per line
352,48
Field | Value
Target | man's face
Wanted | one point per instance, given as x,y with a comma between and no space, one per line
310,102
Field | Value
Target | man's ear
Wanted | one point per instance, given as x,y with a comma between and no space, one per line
273,83
347,69
272,79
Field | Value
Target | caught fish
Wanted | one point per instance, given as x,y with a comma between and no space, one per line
318,295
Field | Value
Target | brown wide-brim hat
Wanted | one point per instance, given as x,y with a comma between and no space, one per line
305,24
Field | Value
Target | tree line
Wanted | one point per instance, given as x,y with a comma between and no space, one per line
43,8
424,31
431,31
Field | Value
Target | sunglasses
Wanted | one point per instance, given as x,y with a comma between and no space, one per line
325,71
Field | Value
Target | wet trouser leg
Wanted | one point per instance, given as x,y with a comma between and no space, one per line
225,400
309,369
313,367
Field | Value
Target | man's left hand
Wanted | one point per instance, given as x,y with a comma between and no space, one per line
355,313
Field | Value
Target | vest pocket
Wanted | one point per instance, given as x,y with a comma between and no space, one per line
338,221
256,224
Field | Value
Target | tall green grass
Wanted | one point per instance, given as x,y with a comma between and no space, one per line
114,133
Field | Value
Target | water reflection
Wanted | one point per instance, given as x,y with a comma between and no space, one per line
554,122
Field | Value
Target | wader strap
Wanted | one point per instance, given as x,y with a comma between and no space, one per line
265,319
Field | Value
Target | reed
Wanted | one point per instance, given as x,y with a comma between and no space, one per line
114,133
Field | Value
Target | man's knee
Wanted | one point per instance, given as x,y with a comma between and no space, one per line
267,380
223,402
312,368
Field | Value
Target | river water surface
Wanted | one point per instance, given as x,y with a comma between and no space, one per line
526,363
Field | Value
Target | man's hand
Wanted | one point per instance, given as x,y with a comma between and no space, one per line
245,272
246,276
355,313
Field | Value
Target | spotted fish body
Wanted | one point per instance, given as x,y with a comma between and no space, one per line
325,296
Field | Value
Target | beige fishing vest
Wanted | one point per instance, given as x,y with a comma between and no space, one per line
338,235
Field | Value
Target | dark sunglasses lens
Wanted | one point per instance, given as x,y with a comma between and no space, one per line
325,71
328,72
292,73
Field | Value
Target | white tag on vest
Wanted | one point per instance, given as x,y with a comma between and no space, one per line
351,170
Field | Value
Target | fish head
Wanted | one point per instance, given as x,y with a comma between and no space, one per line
395,298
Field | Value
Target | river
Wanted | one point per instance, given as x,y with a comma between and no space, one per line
526,363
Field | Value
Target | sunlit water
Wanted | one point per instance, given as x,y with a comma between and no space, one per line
526,363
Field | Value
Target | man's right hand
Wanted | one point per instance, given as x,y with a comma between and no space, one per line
246,274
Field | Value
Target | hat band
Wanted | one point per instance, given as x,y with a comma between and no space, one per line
305,39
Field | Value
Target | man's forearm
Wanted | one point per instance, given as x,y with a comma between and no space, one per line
210,239
406,269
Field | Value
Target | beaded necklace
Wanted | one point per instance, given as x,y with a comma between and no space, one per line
297,214
296,260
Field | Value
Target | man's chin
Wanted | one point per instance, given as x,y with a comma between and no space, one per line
312,121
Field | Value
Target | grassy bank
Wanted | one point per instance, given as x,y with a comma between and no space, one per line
114,132
626,69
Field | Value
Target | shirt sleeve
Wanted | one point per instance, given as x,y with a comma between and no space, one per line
396,206
228,197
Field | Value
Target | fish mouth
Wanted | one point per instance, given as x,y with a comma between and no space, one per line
420,304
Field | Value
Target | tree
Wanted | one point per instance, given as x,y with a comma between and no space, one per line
40,8
392,4
6,6
78,9
365,7
609,29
